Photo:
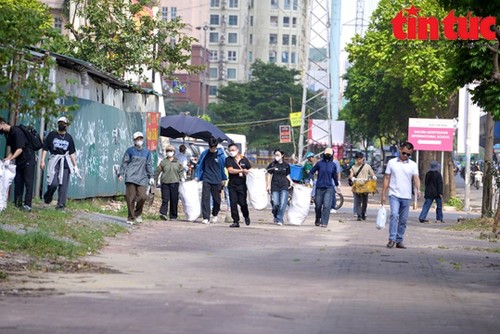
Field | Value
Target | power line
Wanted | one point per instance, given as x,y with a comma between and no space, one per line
253,122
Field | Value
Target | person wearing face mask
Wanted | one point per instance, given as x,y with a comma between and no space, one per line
172,172
62,163
210,170
24,158
237,166
278,183
326,181
137,169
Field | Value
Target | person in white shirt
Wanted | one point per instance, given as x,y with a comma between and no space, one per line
398,178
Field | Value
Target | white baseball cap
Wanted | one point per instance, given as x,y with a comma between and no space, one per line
138,134
63,119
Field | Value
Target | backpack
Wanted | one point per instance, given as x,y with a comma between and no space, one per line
34,140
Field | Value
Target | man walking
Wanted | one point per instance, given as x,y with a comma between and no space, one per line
433,192
237,167
327,180
62,162
24,158
398,178
138,171
210,171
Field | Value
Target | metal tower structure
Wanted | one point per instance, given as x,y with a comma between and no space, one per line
321,70
360,16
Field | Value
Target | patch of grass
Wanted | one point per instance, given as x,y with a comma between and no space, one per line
481,249
456,203
3,275
49,233
443,247
476,224
441,260
456,265
296,260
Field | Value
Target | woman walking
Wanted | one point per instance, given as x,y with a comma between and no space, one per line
278,183
433,192
172,172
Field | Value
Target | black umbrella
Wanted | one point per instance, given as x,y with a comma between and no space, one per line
179,126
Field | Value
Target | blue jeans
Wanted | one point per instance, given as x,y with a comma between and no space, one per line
323,204
400,207
334,199
427,206
280,200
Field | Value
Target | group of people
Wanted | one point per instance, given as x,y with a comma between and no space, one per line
61,163
400,180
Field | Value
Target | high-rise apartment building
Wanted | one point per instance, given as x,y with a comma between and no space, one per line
232,34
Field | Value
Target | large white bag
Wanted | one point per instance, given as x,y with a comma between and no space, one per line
256,185
7,174
190,198
299,206
381,218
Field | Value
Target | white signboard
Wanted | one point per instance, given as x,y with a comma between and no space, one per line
318,132
467,129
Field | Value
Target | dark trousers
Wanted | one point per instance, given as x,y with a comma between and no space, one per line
238,196
169,194
208,190
135,196
361,204
24,181
62,193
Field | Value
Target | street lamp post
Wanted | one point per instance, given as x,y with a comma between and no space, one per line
205,29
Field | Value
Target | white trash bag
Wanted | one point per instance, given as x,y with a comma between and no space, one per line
256,185
299,205
190,198
381,218
7,174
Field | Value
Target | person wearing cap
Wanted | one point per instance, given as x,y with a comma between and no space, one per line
433,192
308,165
24,158
172,173
137,169
210,170
62,162
326,181
359,174
184,159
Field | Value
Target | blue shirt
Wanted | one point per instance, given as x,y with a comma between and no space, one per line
326,172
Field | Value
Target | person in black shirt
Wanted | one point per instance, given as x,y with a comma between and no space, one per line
278,183
237,166
62,162
24,158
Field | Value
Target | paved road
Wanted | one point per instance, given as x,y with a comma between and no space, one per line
180,277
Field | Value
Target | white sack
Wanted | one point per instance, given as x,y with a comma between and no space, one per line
299,205
7,174
190,198
256,185
381,218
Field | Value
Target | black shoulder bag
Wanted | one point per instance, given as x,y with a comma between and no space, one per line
349,181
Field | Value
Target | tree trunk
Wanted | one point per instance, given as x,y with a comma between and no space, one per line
449,187
497,218
486,208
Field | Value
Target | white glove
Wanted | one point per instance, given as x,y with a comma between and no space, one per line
353,179
151,181
77,172
374,177
183,180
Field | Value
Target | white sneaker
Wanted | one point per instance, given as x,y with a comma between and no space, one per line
138,219
130,222
214,219
279,223
333,211
205,221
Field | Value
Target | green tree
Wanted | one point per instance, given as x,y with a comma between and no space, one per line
25,88
477,62
122,36
253,108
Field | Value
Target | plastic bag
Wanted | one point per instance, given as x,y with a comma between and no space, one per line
299,205
7,174
381,218
256,185
191,200
369,186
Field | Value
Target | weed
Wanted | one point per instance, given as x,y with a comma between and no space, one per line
456,203
3,275
456,265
